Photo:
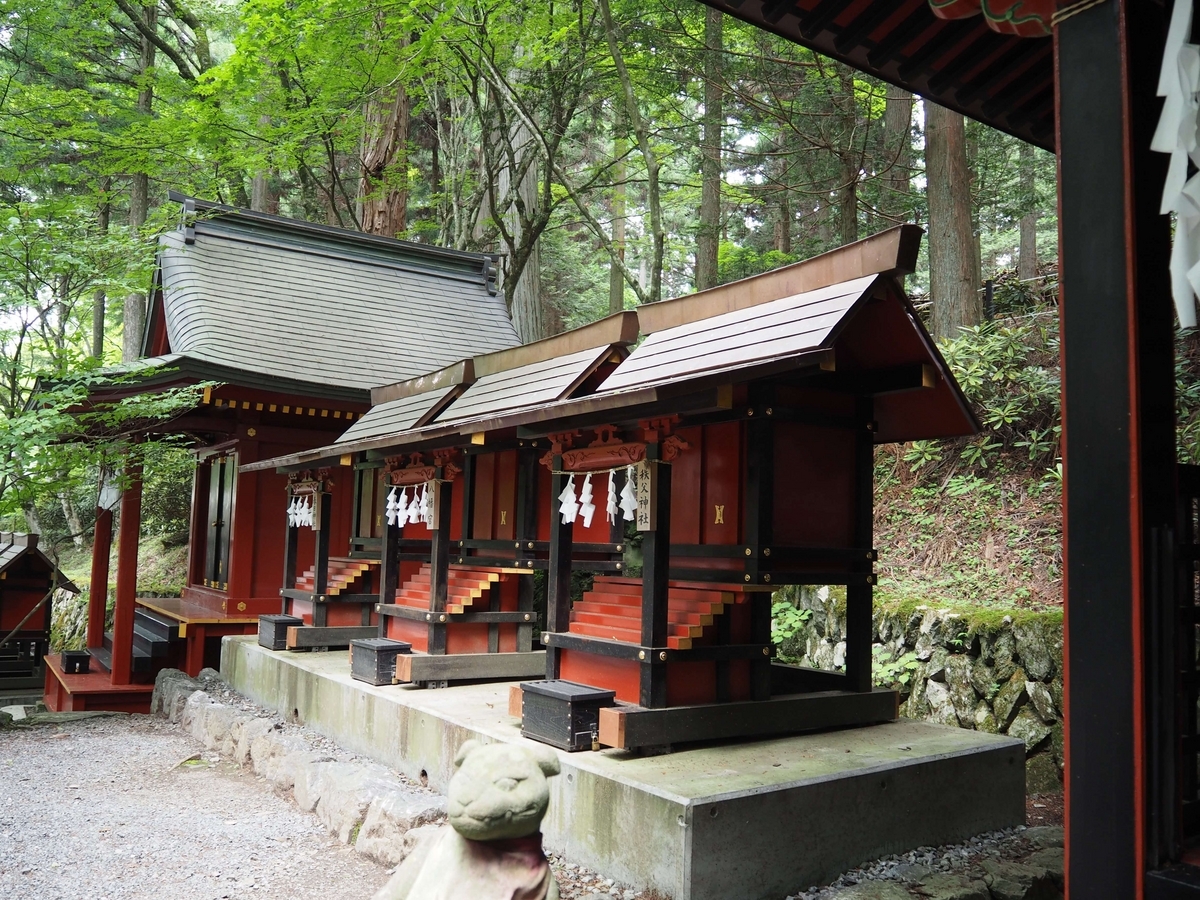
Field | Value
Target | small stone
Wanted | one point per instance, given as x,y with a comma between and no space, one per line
1052,859
941,707
911,872
983,718
872,890
983,679
1045,836
1035,649
1042,702
1004,648
953,887
1041,774
1010,698
1014,881
1029,728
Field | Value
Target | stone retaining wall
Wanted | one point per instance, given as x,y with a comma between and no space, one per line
991,670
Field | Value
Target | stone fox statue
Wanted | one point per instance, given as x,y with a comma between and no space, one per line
493,849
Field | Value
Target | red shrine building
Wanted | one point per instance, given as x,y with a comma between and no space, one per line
734,443
282,328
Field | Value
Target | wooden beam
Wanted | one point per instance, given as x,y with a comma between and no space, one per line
462,372
306,637
630,727
420,667
620,328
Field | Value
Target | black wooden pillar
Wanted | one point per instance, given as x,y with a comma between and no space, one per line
321,501
389,568
526,532
656,564
558,577
759,527
439,569
860,594
1118,431
290,544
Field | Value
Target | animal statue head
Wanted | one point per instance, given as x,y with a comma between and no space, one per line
499,791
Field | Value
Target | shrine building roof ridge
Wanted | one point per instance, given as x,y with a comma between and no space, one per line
268,298
15,546
784,321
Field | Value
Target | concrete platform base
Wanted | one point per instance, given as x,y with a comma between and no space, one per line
756,819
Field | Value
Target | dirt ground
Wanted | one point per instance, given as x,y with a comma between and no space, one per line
131,808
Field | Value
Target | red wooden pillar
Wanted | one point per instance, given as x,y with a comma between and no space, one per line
98,596
127,560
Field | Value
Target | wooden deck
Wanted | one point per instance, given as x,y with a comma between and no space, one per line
197,624
93,691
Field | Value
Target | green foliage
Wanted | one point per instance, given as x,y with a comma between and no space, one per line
734,262
888,671
787,620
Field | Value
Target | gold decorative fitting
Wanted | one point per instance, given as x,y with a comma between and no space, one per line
529,546
620,548
662,654
428,617
518,545
378,607
526,617
618,565
749,551
441,618
641,654
747,578
251,432
750,411
766,651
241,607
460,559
769,410
766,579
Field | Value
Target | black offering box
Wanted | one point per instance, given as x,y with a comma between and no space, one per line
563,714
272,630
76,662
373,660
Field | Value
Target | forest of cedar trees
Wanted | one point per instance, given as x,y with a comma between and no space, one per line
614,152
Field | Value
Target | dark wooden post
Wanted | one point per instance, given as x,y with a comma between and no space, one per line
127,561
760,517
98,591
322,498
1118,438
439,570
526,532
860,594
656,562
389,568
558,578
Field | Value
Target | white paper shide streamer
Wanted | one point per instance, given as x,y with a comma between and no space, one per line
568,506
1179,83
610,505
391,507
587,508
629,502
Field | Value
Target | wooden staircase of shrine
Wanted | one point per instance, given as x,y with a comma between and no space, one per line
346,576
467,586
612,610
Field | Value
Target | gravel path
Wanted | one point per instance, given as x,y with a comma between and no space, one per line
107,808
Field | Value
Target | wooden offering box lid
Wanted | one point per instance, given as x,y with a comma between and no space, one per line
569,691
381,644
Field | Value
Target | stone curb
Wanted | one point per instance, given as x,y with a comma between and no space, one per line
363,804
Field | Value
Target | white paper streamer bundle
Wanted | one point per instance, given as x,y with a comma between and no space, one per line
391,507
629,502
610,505
568,506
587,508
300,512
1179,82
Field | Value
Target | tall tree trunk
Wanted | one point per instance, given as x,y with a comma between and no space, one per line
847,201
264,189
72,518
100,298
383,187
1027,253
616,278
708,235
139,195
897,151
649,157
525,302
783,223
953,285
